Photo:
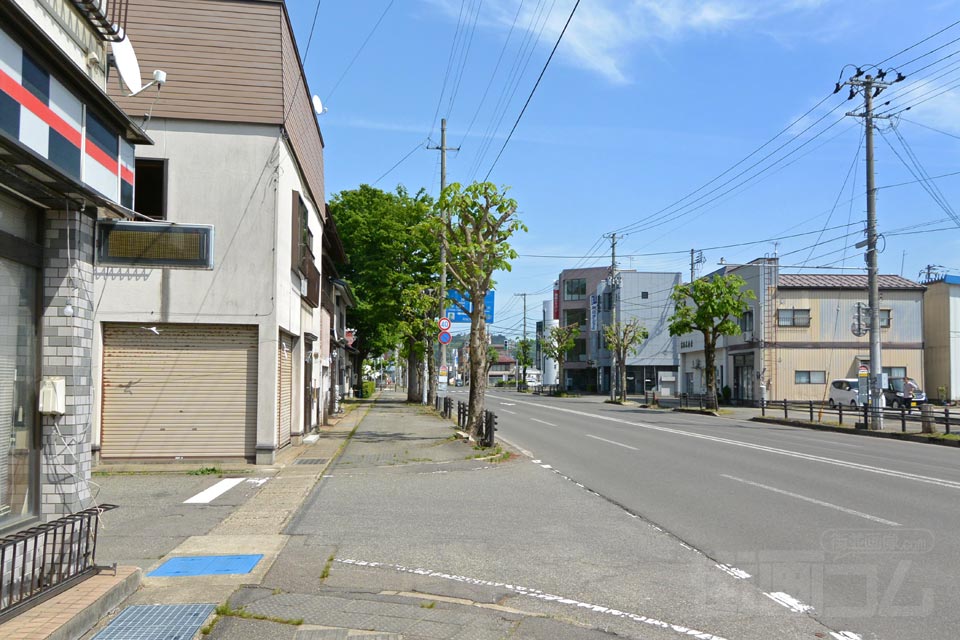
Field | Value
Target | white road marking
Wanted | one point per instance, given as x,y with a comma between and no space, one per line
208,495
257,481
619,444
513,413
508,404
540,595
789,602
739,574
902,475
821,503
549,424
846,635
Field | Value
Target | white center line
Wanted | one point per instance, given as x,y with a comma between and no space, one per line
549,424
821,503
619,444
513,413
208,495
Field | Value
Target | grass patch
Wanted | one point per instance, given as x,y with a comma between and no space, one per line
326,568
225,610
206,471
428,605
495,453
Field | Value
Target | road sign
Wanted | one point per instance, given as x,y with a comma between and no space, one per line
444,324
457,314
863,371
443,372
444,337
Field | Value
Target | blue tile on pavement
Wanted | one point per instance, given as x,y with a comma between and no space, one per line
206,566
157,622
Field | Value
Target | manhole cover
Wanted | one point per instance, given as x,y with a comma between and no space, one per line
206,566
157,622
310,461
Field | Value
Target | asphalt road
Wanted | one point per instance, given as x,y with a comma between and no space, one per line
863,530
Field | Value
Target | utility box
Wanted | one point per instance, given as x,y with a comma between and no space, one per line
53,395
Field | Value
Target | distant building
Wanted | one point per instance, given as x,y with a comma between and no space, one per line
941,332
804,330
547,366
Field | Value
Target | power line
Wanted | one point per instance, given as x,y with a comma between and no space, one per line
399,162
534,90
917,44
359,51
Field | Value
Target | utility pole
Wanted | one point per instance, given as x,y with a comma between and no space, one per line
524,296
614,282
871,86
443,148
693,272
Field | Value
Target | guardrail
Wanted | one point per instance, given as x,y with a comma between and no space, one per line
814,412
488,425
39,562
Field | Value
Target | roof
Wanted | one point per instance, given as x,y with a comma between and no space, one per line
843,281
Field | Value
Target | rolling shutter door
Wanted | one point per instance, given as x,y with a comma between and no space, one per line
284,389
188,391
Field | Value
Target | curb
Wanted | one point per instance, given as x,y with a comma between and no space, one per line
702,412
81,623
890,435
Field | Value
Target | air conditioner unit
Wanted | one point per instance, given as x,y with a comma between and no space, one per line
696,364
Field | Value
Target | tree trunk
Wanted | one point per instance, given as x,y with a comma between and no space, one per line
431,371
561,379
622,372
478,369
414,390
710,357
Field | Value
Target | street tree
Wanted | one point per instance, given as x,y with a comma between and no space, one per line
624,339
524,356
711,306
478,222
558,343
392,259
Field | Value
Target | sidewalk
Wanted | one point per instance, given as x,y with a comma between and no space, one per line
73,613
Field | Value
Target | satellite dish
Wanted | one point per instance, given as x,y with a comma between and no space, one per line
128,67
318,106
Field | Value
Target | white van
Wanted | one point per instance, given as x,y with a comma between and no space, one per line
845,391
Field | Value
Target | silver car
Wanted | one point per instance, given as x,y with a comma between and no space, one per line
845,391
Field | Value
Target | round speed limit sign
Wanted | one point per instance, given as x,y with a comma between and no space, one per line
444,324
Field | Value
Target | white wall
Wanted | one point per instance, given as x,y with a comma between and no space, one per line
71,32
549,365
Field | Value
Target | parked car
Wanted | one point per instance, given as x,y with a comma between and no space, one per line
893,394
845,391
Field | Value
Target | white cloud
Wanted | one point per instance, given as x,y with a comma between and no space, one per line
603,33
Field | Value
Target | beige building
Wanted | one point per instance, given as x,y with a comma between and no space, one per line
807,330
941,331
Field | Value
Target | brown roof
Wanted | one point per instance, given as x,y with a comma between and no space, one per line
842,281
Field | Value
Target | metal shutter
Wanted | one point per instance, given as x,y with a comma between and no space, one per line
284,389
188,391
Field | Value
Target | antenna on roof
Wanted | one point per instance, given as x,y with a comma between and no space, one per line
125,60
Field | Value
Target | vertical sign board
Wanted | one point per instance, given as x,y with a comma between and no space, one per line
863,384
593,312
556,302
455,313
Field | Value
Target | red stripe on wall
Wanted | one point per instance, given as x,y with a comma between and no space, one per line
126,174
101,156
16,91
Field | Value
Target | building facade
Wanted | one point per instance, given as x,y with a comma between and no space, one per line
572,306
237,360
804,332
941,332
65,149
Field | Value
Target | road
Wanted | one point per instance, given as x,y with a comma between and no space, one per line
863,530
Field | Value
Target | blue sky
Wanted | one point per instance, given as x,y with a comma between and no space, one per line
645,102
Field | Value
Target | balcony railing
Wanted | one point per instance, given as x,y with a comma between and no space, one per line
108,17
41,561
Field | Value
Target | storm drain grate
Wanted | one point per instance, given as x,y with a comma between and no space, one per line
157,622
310,461
206,566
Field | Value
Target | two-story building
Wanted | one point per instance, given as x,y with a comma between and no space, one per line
234,359
807,330
65,148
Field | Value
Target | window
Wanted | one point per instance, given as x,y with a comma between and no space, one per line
575,316
884,318
607,298
575,289
644,295
793,317
579,351
301,247
746,322
809,377
895,372
150,195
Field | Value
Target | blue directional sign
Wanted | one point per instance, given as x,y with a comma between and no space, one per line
456,314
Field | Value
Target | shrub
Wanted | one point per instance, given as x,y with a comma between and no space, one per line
369,386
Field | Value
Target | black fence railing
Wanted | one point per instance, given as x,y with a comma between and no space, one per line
41,561
488,425
938,418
